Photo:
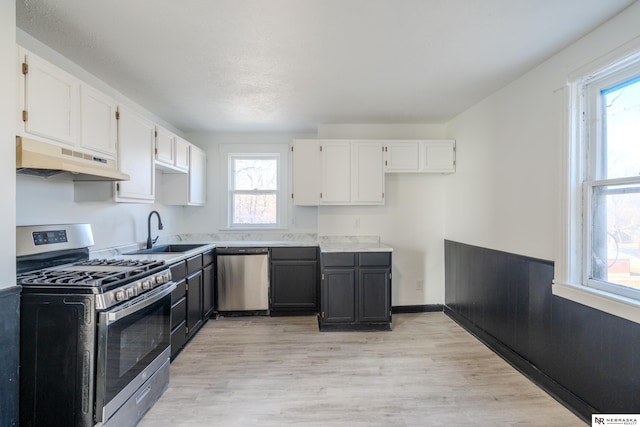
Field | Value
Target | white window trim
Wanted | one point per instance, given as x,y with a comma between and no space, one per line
226,149
569,269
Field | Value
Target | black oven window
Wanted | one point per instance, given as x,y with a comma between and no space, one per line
140,339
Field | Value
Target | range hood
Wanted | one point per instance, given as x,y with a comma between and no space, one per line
43,159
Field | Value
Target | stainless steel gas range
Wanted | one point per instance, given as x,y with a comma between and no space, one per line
95,334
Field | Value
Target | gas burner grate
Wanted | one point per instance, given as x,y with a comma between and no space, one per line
116,262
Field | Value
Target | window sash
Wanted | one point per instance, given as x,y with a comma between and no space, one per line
592,233
232,223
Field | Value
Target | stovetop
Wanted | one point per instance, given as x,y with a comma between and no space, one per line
90,273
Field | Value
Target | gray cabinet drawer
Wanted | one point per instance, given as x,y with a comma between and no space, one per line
297,253
339,259
368,259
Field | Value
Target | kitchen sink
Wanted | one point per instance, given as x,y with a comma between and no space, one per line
176,248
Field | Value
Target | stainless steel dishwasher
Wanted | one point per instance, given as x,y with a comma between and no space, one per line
243,280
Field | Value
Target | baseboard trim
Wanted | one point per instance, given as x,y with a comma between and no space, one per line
572,402
426,308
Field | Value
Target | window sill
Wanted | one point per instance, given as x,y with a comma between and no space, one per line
627,308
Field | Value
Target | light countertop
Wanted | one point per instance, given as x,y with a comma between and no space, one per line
355,247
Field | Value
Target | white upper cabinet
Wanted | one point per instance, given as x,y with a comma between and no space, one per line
171,152
136,137
336,172
352,173
367,177
49,101
402,157
165,147
182,154
197,176
187,189
98,124
429,156
438,156
306,172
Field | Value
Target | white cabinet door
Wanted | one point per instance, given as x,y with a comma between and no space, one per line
181,154
306,172
99,127
197,176
367,176
438,156
336,172
426,156
171,153
165,147
402,156
352,173
136,141
50,101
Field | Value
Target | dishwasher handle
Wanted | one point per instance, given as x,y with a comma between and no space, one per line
242,251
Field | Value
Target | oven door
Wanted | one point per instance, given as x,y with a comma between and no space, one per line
133,342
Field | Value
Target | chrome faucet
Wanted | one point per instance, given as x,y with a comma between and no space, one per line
149,241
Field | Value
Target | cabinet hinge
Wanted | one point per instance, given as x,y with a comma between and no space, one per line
386,149
186,330
292,195
321,148
321,195
383,194
25,115
382,149
322,276
389,276
385,163
186,286
117,115
117,186
155,133
292,148
25,68
323,314
155,151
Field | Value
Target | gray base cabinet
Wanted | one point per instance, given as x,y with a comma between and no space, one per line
355,290
192,300
294,281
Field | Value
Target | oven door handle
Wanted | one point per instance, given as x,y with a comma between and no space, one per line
140,303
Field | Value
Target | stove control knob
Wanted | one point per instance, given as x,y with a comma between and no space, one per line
120,296
130,292
146,285
160,279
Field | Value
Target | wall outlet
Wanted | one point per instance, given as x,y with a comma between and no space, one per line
419,285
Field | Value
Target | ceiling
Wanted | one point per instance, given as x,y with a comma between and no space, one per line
291,65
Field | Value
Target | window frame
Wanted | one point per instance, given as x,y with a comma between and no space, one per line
584,127
221,187
232,191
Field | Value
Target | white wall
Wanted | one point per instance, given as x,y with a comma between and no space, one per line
411,220
506,191
7,142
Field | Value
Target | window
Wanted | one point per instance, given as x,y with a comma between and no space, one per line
600,262
612,189
254,185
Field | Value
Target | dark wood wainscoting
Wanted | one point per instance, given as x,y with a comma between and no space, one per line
587,359
9,354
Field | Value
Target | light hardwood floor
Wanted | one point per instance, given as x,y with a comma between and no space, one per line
428,371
